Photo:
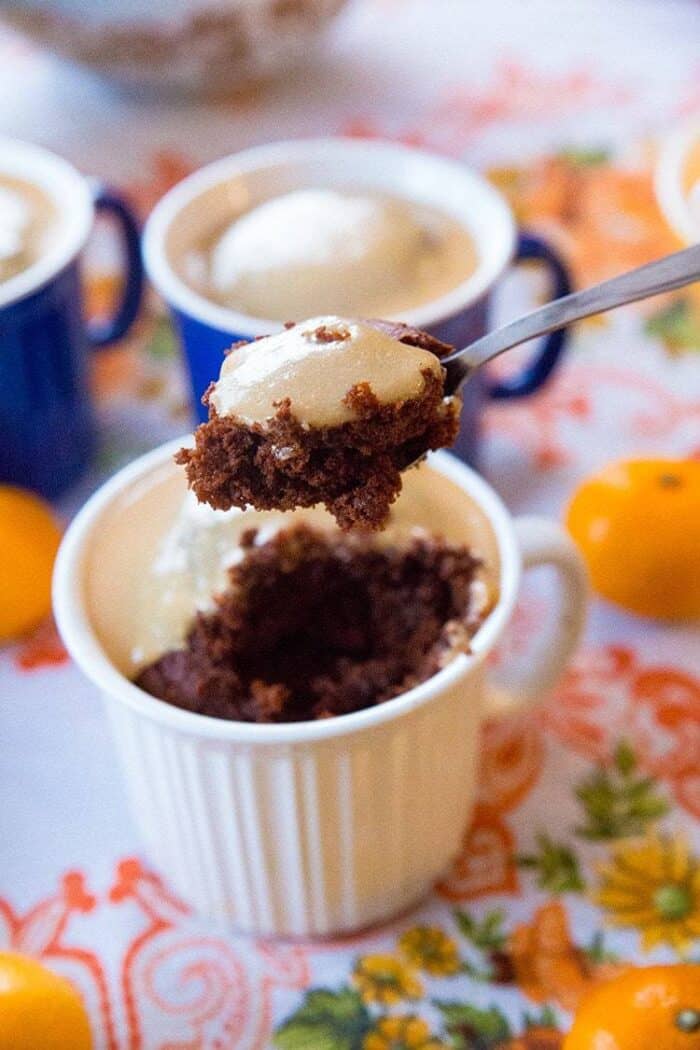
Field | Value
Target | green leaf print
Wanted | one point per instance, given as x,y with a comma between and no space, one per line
616,801
472,1028
545,1018
555,864
486,935
162,343
582,157
625,759
597,952
676,325
326,1020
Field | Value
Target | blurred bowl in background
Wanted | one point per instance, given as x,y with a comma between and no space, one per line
183,46
678,181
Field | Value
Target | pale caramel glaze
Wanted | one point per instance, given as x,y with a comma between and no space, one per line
314,365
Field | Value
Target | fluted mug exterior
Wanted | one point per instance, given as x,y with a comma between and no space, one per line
324,827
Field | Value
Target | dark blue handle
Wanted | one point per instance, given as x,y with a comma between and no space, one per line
104,333
538,370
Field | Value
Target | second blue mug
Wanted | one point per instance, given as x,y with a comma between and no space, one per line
188,213
47,431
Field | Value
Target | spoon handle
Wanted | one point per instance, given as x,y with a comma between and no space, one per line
673,271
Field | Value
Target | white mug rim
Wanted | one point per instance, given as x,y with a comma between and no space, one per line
667,178
82,643
69,190
244,163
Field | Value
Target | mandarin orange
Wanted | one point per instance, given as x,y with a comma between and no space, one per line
29,539
38,1009
637,524
646,1008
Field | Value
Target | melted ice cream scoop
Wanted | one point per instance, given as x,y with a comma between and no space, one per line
314,365
319,250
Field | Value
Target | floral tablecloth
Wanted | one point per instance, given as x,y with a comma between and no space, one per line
584,851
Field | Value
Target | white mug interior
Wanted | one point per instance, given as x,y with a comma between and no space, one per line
70,194
89,535
217,193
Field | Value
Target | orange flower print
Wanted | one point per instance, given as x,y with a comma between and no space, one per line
686,789
115,366
485,864
609,694
586,711
514,93
167,168
511,761
665,711
570,199
535,1038
548,966
43,648
537,431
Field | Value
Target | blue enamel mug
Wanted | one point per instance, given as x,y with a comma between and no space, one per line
47,427
212,197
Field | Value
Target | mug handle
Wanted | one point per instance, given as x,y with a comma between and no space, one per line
538,370
126,312
544,542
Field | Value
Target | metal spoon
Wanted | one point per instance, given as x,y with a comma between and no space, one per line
673,271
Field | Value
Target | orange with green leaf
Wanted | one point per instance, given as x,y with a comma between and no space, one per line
637,524
646,1008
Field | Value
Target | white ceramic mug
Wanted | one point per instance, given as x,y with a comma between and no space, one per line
314,828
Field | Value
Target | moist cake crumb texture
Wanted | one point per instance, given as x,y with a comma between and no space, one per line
353,468
317,624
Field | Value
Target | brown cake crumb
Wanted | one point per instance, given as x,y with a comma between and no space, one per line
315,625
326,333
354,468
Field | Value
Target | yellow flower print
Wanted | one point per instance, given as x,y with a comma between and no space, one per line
402,1033
653,885
386,980
430,949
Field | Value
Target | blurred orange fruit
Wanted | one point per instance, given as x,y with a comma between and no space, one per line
646,1008
38,1009
29,539
638,526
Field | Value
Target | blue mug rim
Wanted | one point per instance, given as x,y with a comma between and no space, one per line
181,297
51,174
